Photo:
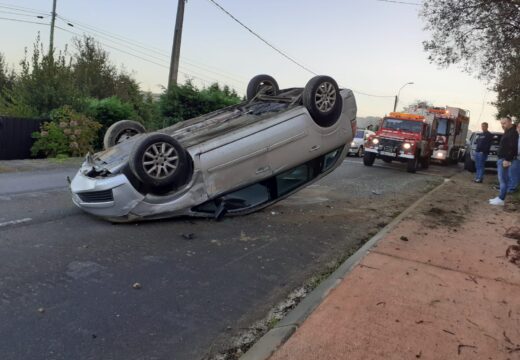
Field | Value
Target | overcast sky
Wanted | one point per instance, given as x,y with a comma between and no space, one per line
369,46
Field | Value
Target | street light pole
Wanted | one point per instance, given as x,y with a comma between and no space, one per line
399,93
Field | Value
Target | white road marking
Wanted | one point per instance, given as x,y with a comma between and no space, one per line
14,222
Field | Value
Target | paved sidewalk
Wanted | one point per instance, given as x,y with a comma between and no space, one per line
437,286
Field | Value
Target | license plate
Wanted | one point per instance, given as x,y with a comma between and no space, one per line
492,158
386,153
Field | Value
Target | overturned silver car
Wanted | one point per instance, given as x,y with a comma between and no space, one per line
232,161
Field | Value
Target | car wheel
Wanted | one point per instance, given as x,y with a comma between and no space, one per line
322,99
425,163
121,131
159,161
469,164
411,165
262,84
369,158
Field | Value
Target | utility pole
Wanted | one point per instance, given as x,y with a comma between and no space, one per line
176,49
53,20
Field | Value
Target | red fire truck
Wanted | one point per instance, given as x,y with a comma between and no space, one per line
452,130
403,137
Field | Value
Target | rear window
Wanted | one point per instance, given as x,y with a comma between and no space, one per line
496,138
360,134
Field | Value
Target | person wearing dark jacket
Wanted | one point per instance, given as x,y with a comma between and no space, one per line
482,151
507,152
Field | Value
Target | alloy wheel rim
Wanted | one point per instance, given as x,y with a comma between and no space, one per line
160,160
325,97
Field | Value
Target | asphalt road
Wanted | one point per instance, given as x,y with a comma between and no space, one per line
66,278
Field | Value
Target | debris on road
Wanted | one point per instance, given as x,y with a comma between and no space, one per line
137,286
403,238
41,310
189,236
513,233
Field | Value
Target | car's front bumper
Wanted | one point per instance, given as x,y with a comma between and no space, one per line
112,196
399,155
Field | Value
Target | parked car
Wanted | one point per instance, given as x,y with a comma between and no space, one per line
232,161
357,146
471,145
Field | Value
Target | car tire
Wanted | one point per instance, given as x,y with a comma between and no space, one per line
121,131
159,162
411,164
369,158
322,99
263,84
469,164
425,162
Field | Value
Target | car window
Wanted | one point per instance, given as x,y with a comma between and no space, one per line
402,125
290,180
495,141
330,159
360,134
242,199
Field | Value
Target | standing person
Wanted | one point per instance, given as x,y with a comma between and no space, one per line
514,169
482,151
507,152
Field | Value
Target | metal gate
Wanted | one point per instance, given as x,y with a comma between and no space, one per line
15,137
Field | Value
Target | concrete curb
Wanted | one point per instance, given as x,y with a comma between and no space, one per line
274,338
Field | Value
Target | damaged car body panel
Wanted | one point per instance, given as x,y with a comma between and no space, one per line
232,161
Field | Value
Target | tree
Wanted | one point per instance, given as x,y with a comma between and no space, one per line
481,35
7,77
508,91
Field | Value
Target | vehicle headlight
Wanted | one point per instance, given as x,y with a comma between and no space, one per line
375,141
407,146
352,144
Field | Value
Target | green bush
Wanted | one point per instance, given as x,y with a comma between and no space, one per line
110,110
68,133
184,102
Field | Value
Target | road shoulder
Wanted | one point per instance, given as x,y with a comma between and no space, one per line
443,253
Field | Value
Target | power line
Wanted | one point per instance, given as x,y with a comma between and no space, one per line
281,52
22,9
201,78
24,21
261,38
133,45
26,15
372,95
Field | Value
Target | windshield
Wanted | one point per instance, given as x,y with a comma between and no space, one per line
443,127
402,125
360,134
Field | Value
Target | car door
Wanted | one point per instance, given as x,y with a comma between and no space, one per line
293,142
234,164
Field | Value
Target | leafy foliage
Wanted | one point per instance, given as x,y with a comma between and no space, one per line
481,35
508,91
68,133
185,101
86,82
